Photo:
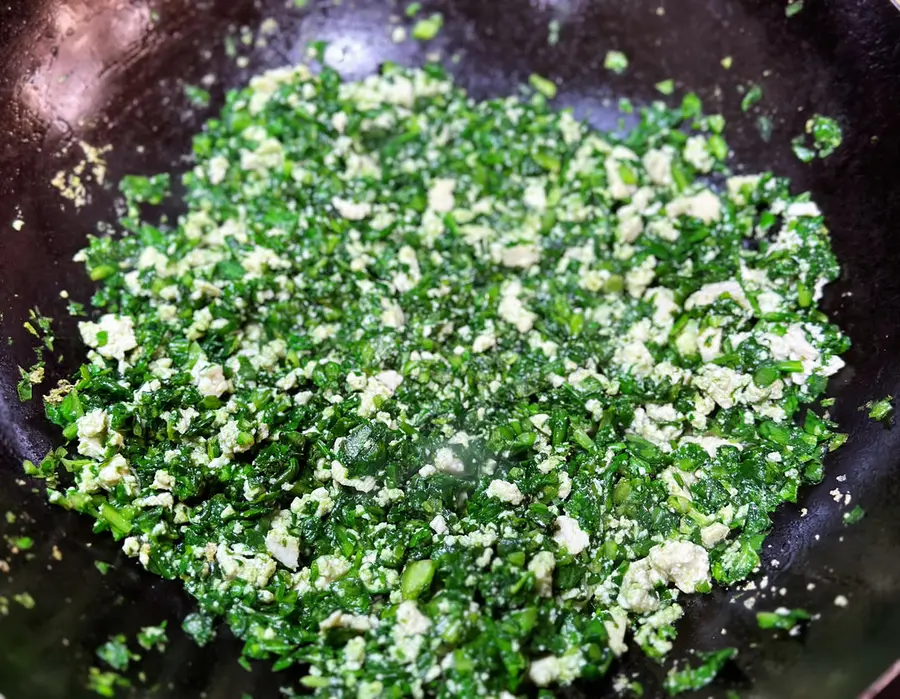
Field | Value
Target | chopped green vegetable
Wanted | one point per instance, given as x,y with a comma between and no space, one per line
764,126
792,8
24,387
553,32
752,96
694,678
23,543
413,9
666,87
854,515
616,61
25,600
105,683
197,95
542,85
151,637
199,627
826,138
116,654
784,619
427,29
880,410
416,578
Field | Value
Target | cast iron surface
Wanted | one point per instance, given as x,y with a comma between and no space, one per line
111,72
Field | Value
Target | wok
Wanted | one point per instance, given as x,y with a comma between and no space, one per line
111,72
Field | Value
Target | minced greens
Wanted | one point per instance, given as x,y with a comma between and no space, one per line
440,397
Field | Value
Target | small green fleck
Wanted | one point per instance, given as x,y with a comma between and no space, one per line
75,309
230,47
727,62
694,678
880,409
543,85
151,637
427,29
616,61
23,543
854,515
804,154
116,654
826,138
197,96
751,97
24,389
793,8
666,87
199,627
837,441
413,9
10,517
784,619
105,683
553,32
25,599
826,133
102,566
417,578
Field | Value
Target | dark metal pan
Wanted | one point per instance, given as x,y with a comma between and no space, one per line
111,72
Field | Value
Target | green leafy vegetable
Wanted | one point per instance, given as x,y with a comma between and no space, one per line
666,87
882,409
784,619
116,654
854,515
542,85
151,637
616,61
694,678
751,97
427,29
826,138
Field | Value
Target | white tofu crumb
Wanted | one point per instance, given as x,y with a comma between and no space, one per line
446,461
119,332
440,195
511,308
713,534
615,629
542,565
439,525
210,379
570,536
505,491
351,211
484,342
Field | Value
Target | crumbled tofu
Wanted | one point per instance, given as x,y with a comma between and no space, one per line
505,491
570,536
113,337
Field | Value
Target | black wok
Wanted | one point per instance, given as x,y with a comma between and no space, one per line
111,72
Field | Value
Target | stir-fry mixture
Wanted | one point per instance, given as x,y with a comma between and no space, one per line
440,397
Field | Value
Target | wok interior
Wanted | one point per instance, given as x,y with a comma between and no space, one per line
113,73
